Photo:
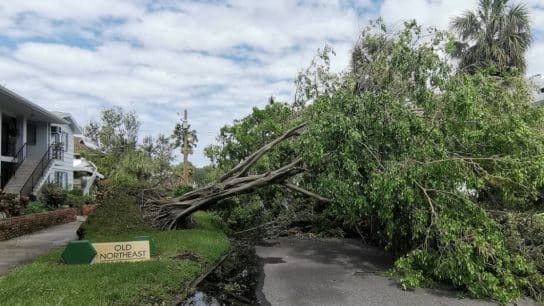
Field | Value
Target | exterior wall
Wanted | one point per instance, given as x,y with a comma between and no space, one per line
36,151
65,165
25,112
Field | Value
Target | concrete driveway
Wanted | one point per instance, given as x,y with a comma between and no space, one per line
23,249
339,272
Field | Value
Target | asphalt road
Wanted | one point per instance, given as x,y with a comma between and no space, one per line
339,272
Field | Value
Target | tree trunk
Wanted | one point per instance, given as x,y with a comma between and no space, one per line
171,213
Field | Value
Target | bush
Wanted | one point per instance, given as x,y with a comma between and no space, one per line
35,207
12,204
53,196
76,192
73,200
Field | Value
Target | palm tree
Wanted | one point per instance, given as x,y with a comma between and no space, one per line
496,34
179,137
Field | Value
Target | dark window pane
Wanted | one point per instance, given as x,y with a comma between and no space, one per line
31,134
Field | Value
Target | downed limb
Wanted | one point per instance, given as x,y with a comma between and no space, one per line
306,192
171,213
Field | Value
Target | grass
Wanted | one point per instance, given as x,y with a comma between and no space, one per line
47,281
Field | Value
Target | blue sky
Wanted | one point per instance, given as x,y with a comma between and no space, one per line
218,59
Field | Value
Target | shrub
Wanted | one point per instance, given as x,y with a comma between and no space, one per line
12,204
73,200
76,192
53,196
34,207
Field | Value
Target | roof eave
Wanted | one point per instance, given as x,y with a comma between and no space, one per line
53,118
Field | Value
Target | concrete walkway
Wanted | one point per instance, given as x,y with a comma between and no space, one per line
339,272
20,250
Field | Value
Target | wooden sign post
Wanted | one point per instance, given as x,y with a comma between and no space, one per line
126,251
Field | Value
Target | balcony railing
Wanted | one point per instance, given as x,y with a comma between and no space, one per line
55,151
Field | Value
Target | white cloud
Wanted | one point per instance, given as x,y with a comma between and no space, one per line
427,12
535,62
217,59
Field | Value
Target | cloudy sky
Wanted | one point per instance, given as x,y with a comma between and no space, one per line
217,59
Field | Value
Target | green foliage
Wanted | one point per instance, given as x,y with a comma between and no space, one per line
128,165
497,34
79,200
181,190
244,212
159,152
414,154
524,233
179,136
239,140
53,196
205,175
34,207
134,170
244,136
116,132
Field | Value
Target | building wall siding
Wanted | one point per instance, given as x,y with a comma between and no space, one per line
65,165
36,151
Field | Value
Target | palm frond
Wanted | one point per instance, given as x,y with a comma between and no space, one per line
497,34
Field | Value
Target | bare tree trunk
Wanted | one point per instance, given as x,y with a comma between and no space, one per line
171,213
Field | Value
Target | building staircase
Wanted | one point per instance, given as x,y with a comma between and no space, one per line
30,175
21,176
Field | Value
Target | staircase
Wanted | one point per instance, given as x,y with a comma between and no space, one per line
30,175
23,173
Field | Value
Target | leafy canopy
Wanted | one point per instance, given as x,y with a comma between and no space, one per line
415,154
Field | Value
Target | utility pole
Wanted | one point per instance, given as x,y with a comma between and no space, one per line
185,127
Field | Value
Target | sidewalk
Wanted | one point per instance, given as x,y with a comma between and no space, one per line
20,250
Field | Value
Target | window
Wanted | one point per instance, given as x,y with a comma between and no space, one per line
55,134
31,134
61,179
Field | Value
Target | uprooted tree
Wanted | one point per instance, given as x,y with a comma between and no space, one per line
416,155
171,213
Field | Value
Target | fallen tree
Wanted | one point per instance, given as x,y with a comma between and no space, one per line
171,213
415,157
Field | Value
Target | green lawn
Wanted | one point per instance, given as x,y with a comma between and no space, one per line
49,282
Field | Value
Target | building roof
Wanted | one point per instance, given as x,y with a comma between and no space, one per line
71,121
83,144
10,101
